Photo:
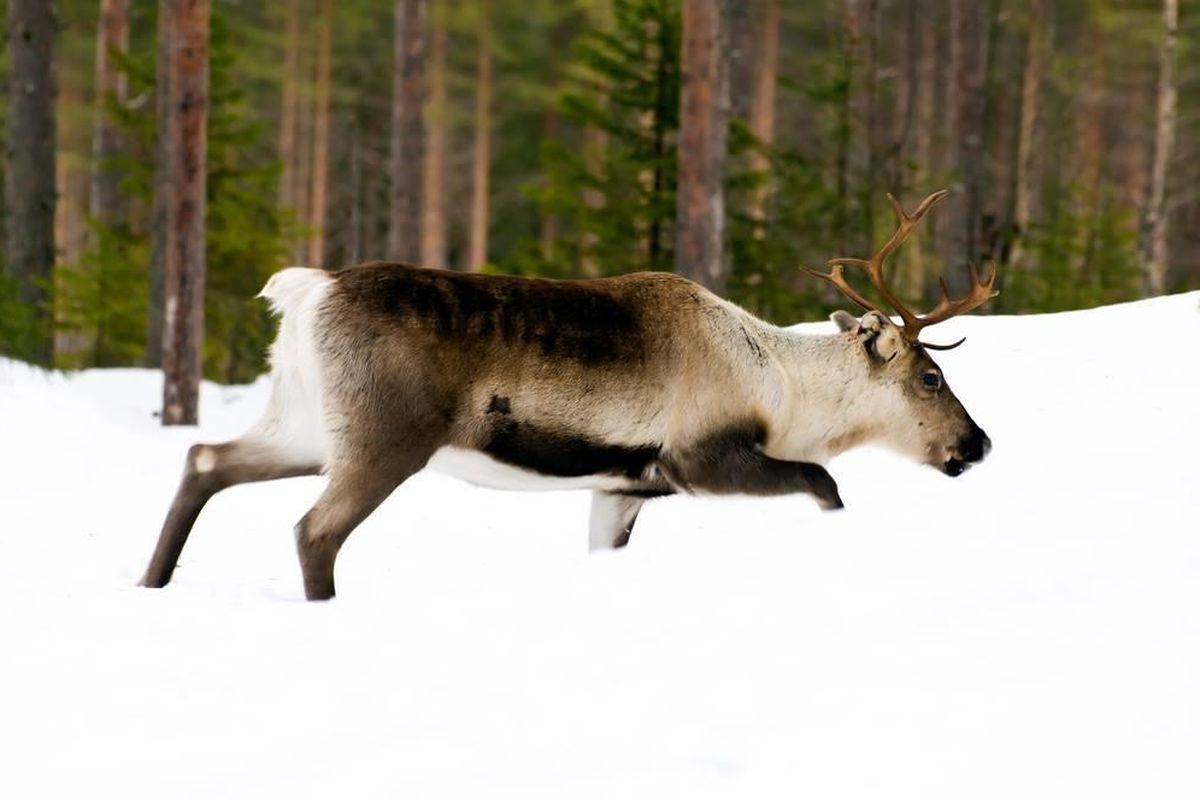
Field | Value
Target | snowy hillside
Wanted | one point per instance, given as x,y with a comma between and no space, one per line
1029,630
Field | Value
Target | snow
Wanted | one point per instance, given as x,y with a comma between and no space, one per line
1031,629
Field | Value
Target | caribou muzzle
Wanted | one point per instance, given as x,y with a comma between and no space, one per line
971,449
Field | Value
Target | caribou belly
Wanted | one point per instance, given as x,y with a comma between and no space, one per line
481,469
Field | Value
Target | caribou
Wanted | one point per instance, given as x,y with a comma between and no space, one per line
634,387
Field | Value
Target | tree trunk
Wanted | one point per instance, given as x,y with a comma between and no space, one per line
595,147
433,226
967,56
1031,92
112,35
373,215
1154,215
158,221
302,176
857,159
547,221
843,137
320,154
106,204
1092,146
906,98
998,135
703,127
925,123
480,192
1135,170
29,151
762,113
288,104
185,128
650,248
900,149
72,184
355,247
869,31
925,116
741,24
408,131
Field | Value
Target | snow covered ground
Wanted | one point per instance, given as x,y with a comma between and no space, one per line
1029,630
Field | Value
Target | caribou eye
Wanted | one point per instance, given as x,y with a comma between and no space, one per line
931,380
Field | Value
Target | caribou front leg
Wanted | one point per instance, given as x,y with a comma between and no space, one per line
732,462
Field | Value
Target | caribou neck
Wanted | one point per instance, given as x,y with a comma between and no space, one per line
824,408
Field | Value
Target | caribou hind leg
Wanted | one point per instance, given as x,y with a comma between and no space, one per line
611,520
356,488
209,469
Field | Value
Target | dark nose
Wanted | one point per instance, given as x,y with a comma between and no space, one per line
975,446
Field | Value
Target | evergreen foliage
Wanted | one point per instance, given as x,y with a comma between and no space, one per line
615,192
1075,260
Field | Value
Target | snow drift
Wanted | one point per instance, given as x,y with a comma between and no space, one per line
1031,629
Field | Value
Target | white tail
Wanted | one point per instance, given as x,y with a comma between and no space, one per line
294,418
288,288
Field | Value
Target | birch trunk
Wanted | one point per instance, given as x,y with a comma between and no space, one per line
1154,219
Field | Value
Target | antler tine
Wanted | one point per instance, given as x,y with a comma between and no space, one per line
836,277
981,291
905,223
926,204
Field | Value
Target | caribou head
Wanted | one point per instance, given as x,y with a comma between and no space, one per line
932,427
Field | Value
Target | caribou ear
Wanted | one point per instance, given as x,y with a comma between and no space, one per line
844,320
871,324
877,335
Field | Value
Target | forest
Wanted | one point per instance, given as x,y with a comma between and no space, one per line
162,159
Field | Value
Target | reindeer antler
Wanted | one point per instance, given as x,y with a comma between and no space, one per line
912,325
